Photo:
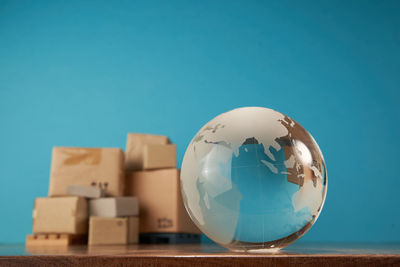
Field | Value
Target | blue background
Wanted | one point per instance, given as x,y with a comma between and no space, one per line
85,73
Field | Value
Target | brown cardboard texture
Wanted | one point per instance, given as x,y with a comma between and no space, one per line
134,148
161,205
54,240
159,156
133,229
67,215
102,167
108,231
85,191
114,207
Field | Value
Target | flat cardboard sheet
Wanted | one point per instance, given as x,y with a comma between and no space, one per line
114,207
85,191
51,240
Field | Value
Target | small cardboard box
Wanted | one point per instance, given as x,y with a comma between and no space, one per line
108,231
159,156
134,148
161,206
114,207
67,215
102,167
133,230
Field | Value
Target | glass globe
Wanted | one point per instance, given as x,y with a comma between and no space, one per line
253,179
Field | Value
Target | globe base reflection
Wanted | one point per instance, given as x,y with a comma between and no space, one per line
266,247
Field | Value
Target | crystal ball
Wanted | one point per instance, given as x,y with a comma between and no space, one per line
253,179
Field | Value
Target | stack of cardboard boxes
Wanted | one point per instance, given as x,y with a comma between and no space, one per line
86,200
86,184
152,176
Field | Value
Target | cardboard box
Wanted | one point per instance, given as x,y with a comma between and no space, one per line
55,240
134,148
108,231
67,215
161,206
102,167
159,156
114,207
133,230
85,191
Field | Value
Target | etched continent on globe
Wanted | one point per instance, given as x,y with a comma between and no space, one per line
253,179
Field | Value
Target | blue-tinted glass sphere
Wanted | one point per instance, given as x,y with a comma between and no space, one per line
253,179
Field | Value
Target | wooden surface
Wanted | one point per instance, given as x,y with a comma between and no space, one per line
301,254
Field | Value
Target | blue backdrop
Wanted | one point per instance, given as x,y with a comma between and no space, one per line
84,73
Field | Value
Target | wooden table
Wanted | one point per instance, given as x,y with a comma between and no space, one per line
298,254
